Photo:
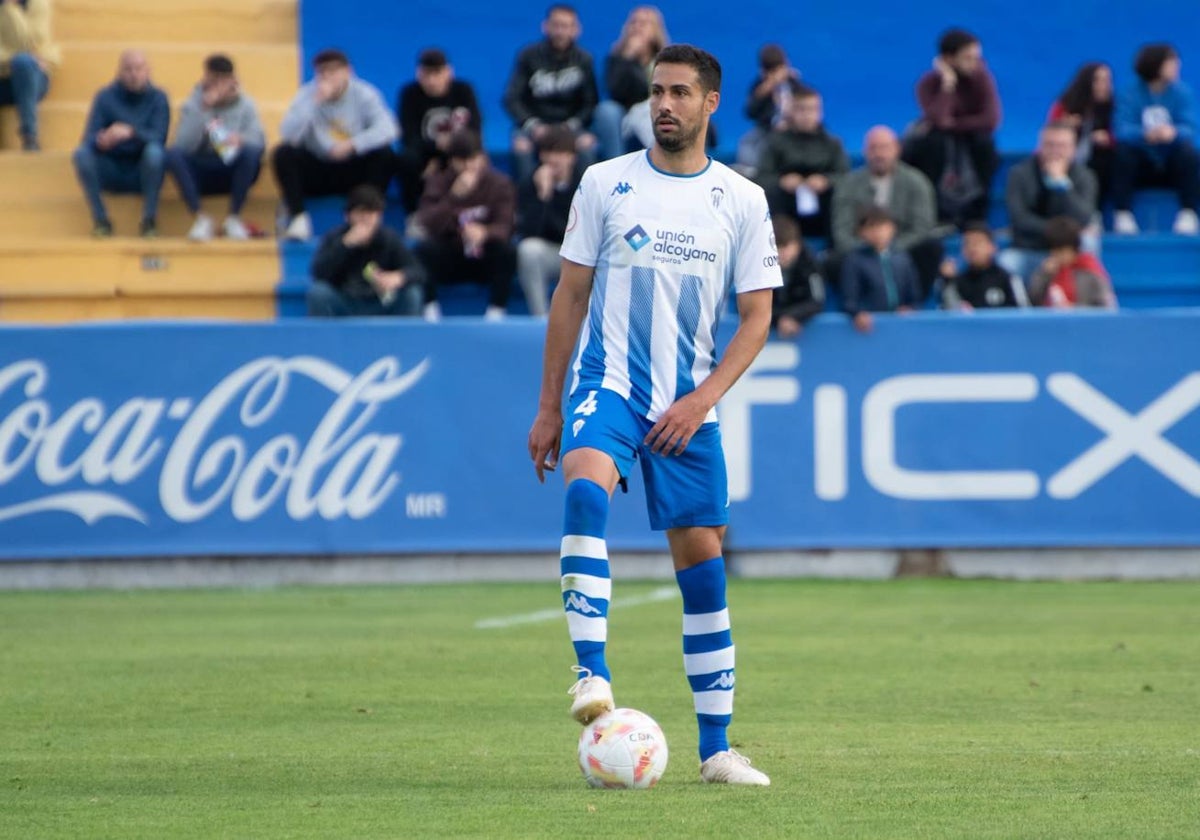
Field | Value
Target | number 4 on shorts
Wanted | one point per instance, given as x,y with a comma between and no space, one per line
588,407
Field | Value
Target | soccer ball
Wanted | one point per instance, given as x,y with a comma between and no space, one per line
623,748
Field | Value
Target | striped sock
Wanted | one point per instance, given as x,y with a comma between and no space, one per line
708,651
586,583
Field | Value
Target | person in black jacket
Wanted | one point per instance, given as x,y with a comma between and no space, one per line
543,208
802,294
624,118
362,267
981,284
552,81
877,277
430,109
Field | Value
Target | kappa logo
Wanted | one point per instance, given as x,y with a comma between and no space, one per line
576,426
726,681
622,188
637,237
579,604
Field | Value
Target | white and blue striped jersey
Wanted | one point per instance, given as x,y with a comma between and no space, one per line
666,249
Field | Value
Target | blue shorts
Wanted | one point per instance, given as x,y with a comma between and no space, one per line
681,490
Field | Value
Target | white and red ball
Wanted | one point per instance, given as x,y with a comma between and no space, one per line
623,748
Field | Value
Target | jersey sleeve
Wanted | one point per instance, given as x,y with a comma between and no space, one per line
585,224
757,263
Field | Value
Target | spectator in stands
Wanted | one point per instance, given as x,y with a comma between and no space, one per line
624,118
431,109
464,225
877,277
1087,106
27,55
1156,131
1070,277
362,267
122,148
543,207
800,163
903,191
1049,183
767,105
219,144
552,81
336,134
953,142
981,284
802,294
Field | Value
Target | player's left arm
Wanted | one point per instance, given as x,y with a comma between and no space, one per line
675,428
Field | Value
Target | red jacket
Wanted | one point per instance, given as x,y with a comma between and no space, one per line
1083,282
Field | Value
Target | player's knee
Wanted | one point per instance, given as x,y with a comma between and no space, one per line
587,506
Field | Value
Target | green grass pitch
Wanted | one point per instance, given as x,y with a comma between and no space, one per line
904,709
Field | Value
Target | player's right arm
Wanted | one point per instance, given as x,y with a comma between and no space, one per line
568,306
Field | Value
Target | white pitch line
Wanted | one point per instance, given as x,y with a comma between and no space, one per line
664,593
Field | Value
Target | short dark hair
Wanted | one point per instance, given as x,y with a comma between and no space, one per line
980,227
704,63
1150,59
365,197
218,65
432,59
872,214
557,138
463,144
953,40
561,7
787,230
771,56
1063,232
330,56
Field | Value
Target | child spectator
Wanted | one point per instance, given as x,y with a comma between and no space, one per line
219,144
877,277
1069,277
802,294
464,226
1156,129
1087,106
430,110
800,163
953,143
552,81
362,267
981,284
625,116
337,134
27,55
543,208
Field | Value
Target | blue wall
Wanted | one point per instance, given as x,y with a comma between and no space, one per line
865,57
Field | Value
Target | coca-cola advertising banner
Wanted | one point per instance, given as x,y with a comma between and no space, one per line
380,436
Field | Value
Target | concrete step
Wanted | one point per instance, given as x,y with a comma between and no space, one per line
268,72
60,124
69,278
50,218
48,175
134,21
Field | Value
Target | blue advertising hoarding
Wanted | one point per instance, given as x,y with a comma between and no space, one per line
375,436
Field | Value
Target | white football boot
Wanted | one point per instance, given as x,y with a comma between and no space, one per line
729,767
593,696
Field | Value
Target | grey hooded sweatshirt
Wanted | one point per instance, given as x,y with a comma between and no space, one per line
239,117
358,115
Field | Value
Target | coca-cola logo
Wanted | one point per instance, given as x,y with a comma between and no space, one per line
335,469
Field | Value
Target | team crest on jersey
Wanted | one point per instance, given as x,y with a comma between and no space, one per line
716,194
637,237
622,188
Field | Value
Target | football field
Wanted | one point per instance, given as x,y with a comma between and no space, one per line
902,709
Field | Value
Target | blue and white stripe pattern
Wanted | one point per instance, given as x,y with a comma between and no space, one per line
586,587
708,658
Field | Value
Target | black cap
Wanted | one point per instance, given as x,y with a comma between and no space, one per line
432,59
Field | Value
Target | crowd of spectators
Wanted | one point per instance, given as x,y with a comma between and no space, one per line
875,233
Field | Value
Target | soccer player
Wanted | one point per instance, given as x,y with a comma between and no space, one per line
655,241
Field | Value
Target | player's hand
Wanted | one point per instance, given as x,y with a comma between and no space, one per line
677,425
544,440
